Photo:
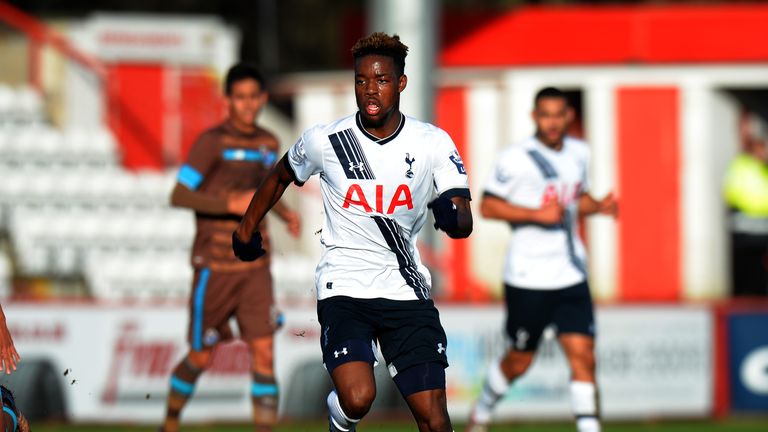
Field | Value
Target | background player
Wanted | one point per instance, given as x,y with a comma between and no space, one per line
11,418
540,187
223,169
378,169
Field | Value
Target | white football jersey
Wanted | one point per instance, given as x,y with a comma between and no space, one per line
528,175
375,194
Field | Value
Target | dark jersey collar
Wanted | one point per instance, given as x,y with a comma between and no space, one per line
377,140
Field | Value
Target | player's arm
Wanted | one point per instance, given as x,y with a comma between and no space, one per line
290,217
495,207
246,238
201,202
464,218
8,355
452,213
588,205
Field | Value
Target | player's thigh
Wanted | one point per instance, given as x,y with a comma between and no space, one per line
347,331
211,304
575,322
410,334
573,312
255,311
430,410
529,312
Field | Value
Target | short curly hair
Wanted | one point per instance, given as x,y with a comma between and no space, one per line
382,44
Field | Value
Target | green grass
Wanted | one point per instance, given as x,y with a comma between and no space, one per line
747,425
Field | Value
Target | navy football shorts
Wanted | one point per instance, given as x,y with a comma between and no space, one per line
409,332
530,311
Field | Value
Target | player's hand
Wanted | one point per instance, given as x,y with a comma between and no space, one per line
238,202
551,213
292,223
609,206
446,214
250,250
8,355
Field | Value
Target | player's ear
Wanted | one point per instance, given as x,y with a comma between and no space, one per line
570,114
401,83
263,97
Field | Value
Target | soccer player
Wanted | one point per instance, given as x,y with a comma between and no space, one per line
223,169
8,354
378,170
11,419
540,188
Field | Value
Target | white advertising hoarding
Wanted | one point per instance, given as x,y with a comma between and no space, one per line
653,361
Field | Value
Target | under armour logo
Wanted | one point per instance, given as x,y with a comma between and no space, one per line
342,352
325,335
359,166
409,161
440,348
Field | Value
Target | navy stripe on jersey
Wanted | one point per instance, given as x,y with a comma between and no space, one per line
575,260
351,156
543,164
408,269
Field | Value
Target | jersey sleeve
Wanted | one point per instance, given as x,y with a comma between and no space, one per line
449,174
201,158
502,181
305,157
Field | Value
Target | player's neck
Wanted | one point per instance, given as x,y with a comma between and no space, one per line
241,127
387,127
554,146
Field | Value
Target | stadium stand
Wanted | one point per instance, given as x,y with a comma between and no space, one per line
70,211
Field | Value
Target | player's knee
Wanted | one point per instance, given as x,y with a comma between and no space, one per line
357,402
200,359
583,366
439,423
516,363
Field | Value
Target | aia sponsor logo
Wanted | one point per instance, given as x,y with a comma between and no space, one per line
355,196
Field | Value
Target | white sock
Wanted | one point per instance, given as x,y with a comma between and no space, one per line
584,402
494,388
338,420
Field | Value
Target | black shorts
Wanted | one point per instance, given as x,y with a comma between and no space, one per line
409,332
529,311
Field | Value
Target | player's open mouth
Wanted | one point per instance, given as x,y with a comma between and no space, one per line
372,108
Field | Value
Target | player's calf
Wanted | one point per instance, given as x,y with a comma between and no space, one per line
12,419
264,397
182,386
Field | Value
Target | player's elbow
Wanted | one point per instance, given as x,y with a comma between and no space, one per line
486,209
176,199
464,228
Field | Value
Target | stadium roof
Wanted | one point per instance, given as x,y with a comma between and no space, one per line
615,34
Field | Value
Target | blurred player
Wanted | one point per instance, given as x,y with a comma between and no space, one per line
11,418
8,355
223,169
378,169
540,187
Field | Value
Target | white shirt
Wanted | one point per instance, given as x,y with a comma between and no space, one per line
527,175
375,194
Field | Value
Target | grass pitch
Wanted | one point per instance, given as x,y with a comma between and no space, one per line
733,425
